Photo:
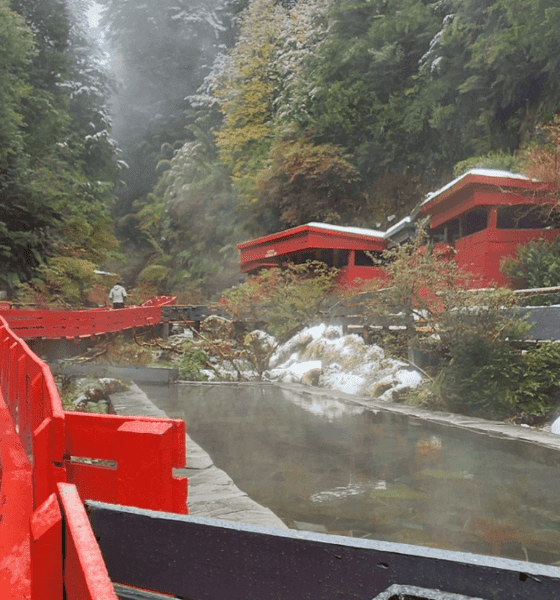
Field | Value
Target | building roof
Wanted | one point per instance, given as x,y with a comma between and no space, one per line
319,228
397,227
494,177
266,250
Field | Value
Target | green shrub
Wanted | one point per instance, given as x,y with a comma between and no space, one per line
535,265
282,298
538,393
481,377
499,381
191,365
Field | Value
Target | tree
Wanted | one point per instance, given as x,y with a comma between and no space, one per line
245,90
535,265
306,182
56,176
16,49
441,311
259,90
162,52
361,80
189,221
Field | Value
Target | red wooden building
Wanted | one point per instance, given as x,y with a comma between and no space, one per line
486,214
341,247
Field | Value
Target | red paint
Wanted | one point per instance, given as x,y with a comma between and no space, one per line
85,574
144,477
278,248
16,508
92,435
482,252
58,324
506,187
46,550
146,450
353,275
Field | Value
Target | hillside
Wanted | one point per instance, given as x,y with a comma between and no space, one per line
237,118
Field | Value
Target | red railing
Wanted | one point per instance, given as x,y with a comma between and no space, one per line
57,324
43,476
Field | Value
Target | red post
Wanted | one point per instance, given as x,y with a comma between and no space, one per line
43,484
85,573
46,551
145,465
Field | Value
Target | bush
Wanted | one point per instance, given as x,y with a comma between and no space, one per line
191,365
538,393
481,377
535,265
498,381
63,281
284,299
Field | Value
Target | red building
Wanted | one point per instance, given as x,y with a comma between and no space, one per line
347,248
484,214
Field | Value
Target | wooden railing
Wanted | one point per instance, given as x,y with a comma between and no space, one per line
59,324
47,549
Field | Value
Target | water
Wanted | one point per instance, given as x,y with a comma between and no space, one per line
325,465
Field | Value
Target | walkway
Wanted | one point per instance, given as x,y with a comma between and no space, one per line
74,324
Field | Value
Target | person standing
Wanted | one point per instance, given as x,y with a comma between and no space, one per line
117,295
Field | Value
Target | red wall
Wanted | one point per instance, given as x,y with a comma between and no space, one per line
481,253
349,274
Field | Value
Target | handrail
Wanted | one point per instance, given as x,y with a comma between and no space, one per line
42,480
70,324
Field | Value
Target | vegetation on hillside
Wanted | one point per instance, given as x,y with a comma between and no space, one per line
348,112
238,118
58,164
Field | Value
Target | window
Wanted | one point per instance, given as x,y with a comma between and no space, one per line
523,217
364,259
474,221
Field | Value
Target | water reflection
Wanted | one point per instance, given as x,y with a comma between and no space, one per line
325,465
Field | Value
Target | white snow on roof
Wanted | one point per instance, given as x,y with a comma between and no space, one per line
355,230
397,226
483,172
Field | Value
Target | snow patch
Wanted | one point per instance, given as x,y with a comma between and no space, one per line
330,360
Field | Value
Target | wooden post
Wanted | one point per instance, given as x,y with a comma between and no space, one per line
46,551
145,465
493,217
85,573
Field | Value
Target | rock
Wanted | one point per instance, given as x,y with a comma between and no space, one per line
311,377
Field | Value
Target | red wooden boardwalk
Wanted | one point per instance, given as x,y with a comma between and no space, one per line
60,324
47,548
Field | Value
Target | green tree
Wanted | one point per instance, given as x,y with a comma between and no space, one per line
55,184
306,182
361,81
245,90
189,221
16,49
161,53
535,265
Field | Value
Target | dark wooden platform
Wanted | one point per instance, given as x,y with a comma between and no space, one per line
195,558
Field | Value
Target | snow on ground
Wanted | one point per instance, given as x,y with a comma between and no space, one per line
324,357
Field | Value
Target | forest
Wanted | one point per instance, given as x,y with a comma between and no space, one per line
152,141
